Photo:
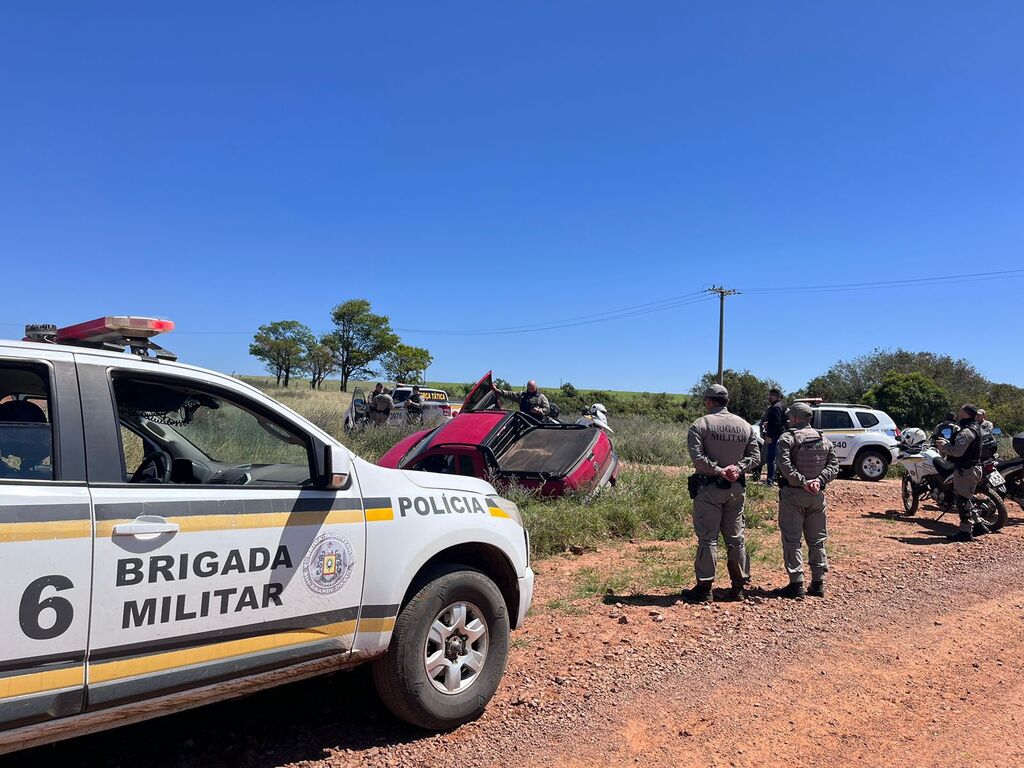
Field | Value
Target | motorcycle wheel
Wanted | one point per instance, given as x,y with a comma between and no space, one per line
991,509
911,500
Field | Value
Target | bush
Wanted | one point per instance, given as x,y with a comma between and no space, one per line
645,504
645,441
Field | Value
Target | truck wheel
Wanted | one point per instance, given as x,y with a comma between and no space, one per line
871,466
911,500
447,652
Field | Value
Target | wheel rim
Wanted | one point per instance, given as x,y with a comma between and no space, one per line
987,510
873,466
455,652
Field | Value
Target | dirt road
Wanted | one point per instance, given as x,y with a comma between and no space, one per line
913,659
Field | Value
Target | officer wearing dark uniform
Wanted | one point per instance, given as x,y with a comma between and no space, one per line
806,463
722,447
414,406
531,400
773,424
965,452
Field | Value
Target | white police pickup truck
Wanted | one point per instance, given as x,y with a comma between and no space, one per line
865,438
170,536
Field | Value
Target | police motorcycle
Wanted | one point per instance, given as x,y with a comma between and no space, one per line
596,416
1012,471
929,476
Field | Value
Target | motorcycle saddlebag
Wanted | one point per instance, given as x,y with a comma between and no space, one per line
1018,444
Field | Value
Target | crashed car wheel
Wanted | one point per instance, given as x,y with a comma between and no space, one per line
448,650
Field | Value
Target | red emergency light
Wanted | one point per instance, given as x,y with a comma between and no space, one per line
114,329
112,332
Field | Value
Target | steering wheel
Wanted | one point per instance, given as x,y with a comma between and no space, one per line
155,468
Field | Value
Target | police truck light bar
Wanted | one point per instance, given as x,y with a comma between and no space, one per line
111,332
114,329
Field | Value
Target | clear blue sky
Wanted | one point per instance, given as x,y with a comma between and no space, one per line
476,165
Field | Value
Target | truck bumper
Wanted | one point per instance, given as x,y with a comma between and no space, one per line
525,597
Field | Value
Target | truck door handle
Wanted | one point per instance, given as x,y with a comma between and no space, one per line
146,524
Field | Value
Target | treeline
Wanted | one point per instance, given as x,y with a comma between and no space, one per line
918,388
361,341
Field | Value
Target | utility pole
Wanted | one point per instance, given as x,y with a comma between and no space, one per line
722,293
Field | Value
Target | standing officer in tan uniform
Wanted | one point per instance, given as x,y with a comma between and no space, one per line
806,463
722,447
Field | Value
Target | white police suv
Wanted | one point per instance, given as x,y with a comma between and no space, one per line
170,536
865,438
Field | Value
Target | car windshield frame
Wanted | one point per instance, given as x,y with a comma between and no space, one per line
420,446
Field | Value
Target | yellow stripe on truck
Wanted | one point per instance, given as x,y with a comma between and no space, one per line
40,682
58,529
377,625
105,672
379,514
231,522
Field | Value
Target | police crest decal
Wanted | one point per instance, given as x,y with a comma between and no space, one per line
328,564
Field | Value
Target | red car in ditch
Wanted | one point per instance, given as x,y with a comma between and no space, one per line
507,447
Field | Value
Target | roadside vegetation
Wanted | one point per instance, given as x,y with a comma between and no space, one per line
650,503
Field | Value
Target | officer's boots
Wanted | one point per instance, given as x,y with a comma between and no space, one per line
964,509
699,593
795,589
817,589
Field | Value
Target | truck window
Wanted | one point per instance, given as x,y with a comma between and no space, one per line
209,438
26,433
867,419
835,420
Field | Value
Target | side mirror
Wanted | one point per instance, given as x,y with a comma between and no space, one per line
337,467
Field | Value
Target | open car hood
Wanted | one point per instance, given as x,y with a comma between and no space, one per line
481,397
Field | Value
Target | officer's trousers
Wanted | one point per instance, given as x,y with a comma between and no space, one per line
720,511
770,451
802,514
965,483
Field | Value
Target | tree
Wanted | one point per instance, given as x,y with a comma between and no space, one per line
281,345
406,364
1006,408
911,399
321,358
569,390
748,394
362,339
848,380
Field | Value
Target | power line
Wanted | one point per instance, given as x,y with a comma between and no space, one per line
1007,274
620,314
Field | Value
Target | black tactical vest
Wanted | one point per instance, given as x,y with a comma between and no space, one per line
972,456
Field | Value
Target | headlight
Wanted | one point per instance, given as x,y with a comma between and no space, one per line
509,508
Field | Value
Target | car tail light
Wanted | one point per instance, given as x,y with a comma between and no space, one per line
990,467
446,410
898,433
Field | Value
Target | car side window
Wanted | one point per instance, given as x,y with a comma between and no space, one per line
172,432
26,430
834,420
867,419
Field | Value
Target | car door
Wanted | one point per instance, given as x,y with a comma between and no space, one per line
45,539
838,426
228,562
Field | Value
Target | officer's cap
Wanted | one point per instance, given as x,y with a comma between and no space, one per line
799,412
716,391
